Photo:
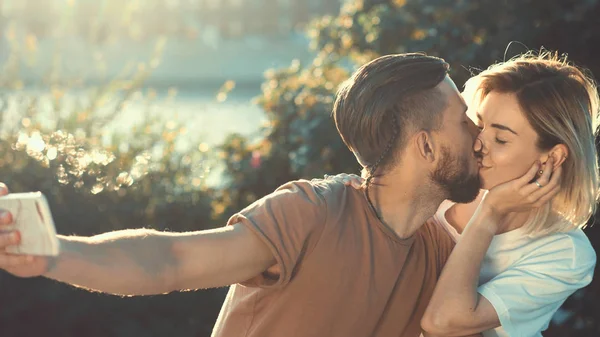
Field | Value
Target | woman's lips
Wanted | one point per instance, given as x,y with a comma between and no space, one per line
481,166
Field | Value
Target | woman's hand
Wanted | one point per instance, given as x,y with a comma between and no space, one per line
524,193
347,179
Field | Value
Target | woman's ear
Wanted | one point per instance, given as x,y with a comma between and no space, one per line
559,154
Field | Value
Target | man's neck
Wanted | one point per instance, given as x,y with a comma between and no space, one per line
403,203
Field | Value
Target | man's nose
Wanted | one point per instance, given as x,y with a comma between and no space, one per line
478,146
473,129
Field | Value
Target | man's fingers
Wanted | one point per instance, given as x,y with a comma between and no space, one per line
3,189
5,218
13,260
9,239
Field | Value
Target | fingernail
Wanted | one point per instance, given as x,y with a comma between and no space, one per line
6,216
14,237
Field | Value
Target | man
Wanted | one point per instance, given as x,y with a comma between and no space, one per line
314,258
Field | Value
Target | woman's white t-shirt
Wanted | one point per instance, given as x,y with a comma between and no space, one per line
527,279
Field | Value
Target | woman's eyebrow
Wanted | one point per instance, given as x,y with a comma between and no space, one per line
498,126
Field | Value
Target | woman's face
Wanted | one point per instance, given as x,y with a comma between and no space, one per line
507,140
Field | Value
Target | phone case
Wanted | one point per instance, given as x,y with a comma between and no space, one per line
33,219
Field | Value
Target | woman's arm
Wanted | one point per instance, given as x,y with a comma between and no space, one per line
456,308
426,334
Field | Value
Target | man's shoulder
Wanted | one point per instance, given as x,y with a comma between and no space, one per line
323,189
308,194
434,231
437,239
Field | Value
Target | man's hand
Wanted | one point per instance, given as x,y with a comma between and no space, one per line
18,265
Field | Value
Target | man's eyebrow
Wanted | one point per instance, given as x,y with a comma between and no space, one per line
499,126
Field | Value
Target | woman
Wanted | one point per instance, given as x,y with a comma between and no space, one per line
511,279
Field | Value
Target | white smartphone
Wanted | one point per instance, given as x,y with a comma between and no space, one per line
33,219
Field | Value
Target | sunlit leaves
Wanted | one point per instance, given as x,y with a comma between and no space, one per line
224,90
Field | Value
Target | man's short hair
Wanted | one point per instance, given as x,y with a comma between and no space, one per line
376,109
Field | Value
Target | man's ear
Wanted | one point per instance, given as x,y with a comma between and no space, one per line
424,144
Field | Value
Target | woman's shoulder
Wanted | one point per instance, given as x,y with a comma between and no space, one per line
583,251
571,249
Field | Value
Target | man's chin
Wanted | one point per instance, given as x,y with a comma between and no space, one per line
486,184
465,191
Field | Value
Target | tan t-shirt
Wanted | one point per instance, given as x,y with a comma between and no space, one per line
343,272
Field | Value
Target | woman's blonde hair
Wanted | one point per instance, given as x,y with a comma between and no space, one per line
560,101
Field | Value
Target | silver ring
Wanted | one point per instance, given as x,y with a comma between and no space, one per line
538,184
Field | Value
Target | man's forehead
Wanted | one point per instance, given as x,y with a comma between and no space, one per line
451,93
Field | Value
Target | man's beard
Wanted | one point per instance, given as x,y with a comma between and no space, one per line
452,175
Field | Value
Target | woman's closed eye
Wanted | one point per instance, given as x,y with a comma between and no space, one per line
500,141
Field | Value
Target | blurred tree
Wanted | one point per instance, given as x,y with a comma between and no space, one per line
61,140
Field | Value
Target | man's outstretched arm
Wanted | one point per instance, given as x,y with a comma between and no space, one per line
144,261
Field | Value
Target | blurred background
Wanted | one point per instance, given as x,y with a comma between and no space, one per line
174,114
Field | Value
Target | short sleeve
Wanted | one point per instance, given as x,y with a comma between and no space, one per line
289,221
527,295
442,241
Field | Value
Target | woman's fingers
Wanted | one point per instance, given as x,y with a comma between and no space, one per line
357,183
347,179
540,184
544,179
547,197
527,177
534,192
550,189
